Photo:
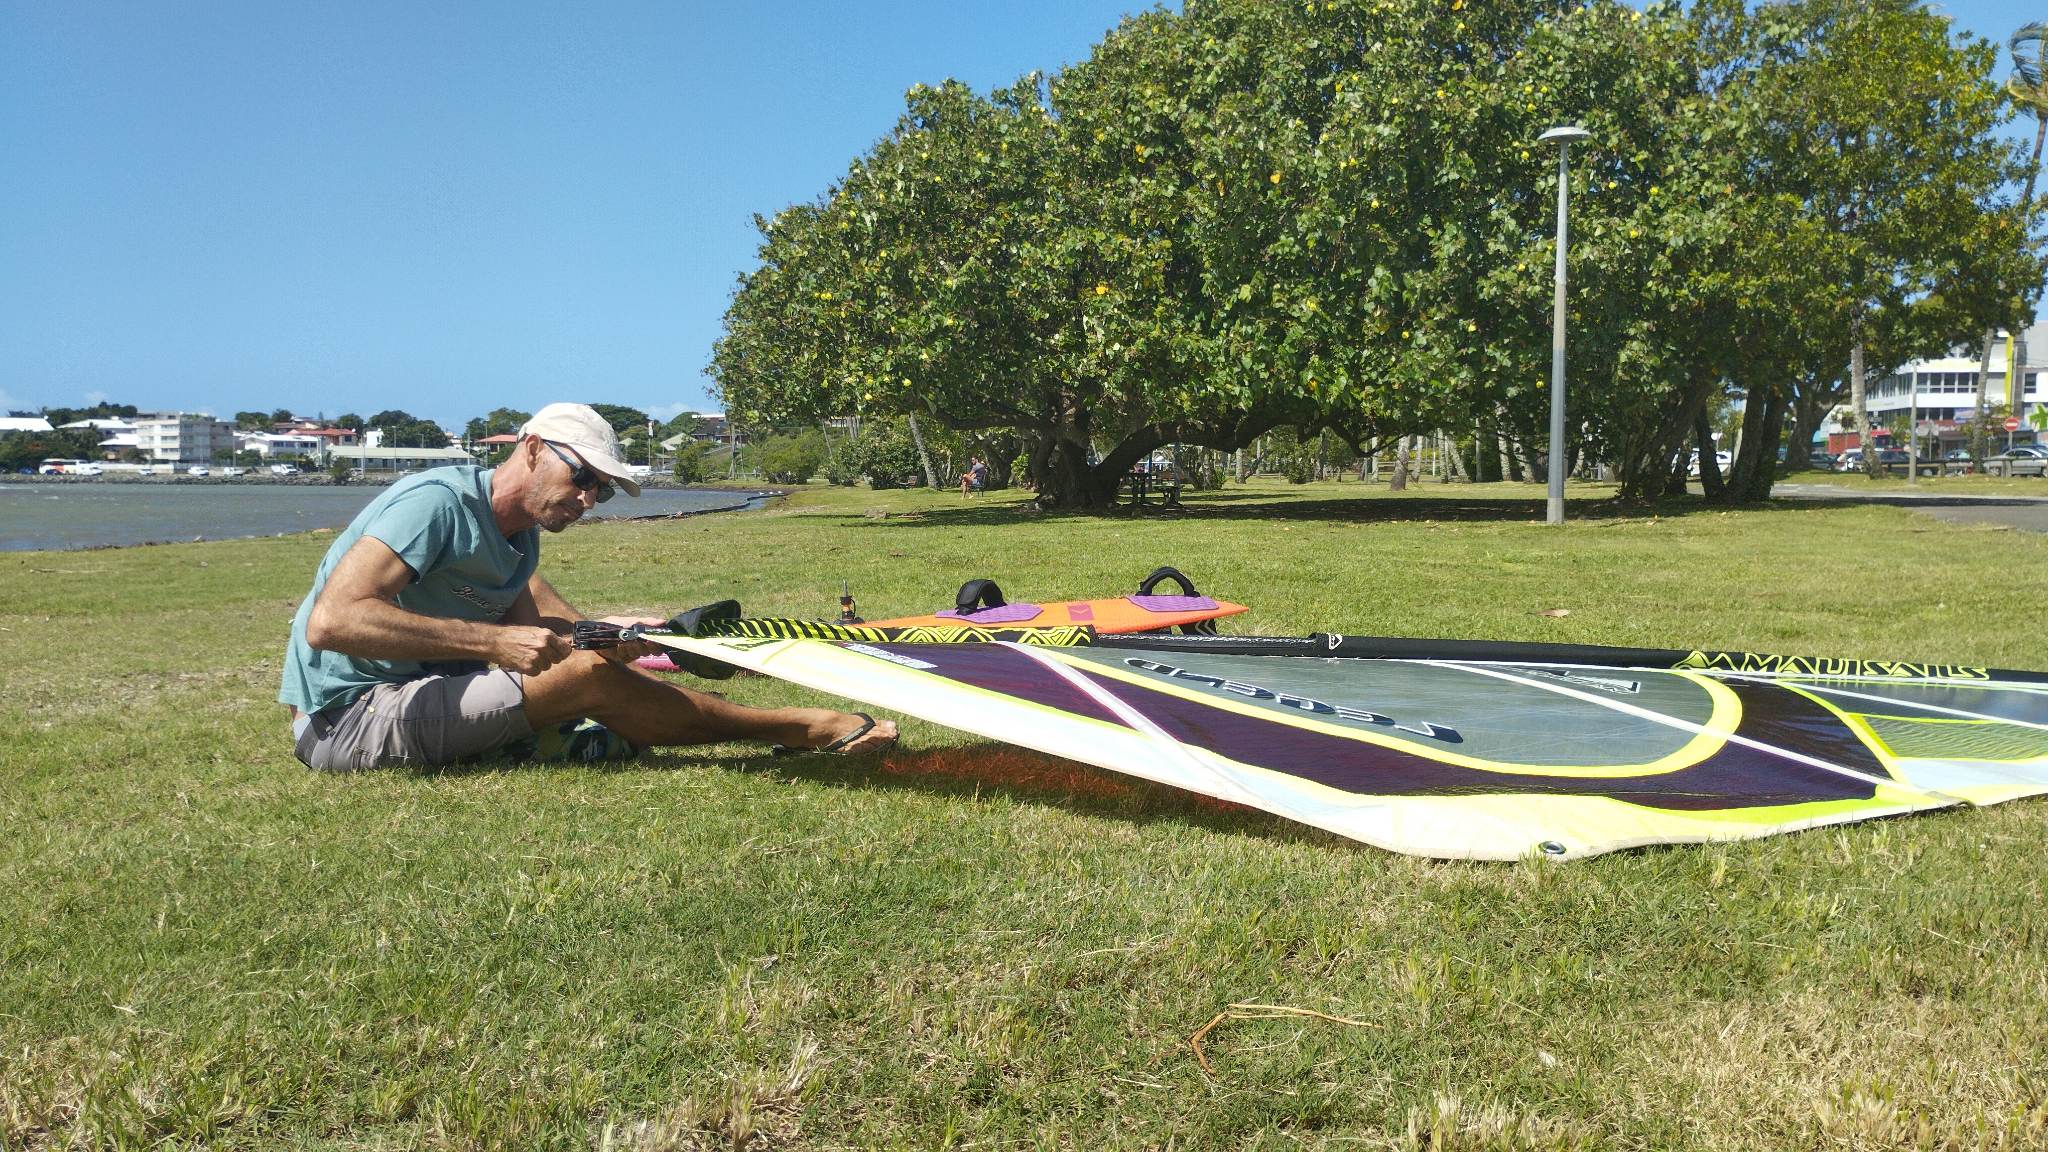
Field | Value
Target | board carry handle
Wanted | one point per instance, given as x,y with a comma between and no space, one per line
1167,572
976,595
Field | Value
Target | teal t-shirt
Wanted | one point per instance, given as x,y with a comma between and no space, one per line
439,522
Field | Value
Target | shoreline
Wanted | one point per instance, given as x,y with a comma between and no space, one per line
745,499
313,480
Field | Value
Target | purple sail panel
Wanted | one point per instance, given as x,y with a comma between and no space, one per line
1005,614
1736,776
1000,668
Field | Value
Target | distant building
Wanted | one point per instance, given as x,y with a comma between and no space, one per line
1941,394
282,445
710,426
120,435
401,459
24,424
183,437
1944,391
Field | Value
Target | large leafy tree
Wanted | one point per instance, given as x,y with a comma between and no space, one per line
496,422
403,429
103,410
1239,217
1886,225
2028,88
1254,214
622,418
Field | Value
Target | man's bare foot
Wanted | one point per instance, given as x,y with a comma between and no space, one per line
845,734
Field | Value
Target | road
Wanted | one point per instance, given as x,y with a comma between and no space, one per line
2025,513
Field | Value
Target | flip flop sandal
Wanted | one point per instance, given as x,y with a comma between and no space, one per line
835,748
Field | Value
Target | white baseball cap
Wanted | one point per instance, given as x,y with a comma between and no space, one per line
579,426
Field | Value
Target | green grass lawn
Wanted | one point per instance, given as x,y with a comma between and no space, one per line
958,944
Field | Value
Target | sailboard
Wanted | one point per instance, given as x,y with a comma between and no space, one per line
1466,750
1147,610
980,604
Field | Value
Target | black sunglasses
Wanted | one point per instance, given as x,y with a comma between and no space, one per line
582,475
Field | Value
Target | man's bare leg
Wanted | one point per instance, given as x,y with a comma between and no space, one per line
651,712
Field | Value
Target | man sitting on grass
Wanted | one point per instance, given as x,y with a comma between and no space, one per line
391,655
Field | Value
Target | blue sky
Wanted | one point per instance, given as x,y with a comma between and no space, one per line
445,207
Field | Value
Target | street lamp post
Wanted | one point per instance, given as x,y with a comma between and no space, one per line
1555,512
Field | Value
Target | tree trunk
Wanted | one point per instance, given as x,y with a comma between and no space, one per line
1063,481
1674,476
931,478
1710,464
1400,481
1980,442
1808,407
1756,456
1456,460
2015,372
1763,466
1859,403
2016,360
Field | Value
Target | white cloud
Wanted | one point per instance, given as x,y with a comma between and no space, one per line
668,412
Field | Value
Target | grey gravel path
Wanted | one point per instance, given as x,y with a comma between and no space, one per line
2025,513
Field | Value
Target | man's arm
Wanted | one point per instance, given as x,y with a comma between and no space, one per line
358,614
538,603
549,603
543,605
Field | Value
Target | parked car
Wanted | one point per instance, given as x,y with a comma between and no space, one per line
284,470
1725,460
85,470
232,471
2024,460
1820,461
1852,460
198,470
145,470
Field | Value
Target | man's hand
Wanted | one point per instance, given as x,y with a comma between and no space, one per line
629,652
529,650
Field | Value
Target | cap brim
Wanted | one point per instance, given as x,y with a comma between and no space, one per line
613,471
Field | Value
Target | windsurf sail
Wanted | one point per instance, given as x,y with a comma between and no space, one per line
1455,751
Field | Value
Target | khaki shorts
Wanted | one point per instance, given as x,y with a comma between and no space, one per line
432,720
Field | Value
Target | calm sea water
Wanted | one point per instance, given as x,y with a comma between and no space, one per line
59,516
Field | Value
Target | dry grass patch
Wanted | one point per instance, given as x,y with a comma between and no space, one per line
755,1111
1835,1070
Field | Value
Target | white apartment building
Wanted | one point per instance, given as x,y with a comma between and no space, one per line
183,437
1944,391
281,445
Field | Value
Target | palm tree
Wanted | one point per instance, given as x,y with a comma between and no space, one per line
2028,86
